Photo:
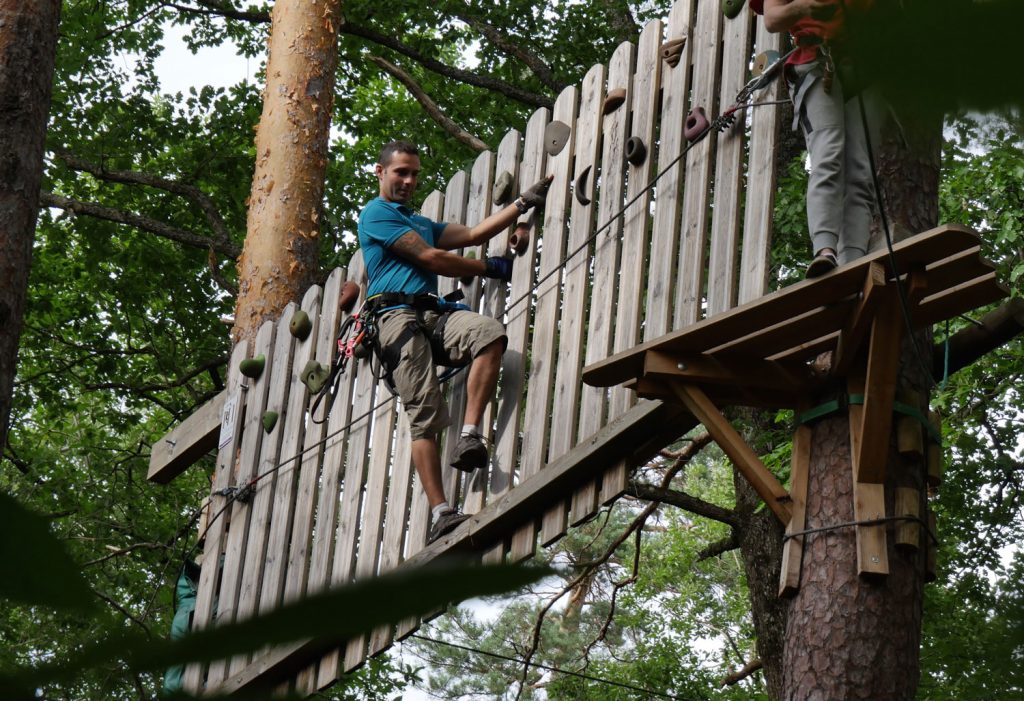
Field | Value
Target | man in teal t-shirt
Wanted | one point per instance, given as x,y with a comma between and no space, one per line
404,253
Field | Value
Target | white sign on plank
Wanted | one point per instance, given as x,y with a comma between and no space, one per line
227,421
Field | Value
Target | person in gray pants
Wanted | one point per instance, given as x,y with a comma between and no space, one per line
840,196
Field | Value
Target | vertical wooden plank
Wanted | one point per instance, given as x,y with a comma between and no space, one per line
372,530
477,209
675,89
572,329
215,541
306,495
543,348
761,178
350,511
726,231
396,521
792,550
499,473
600,324
337,418
244,471
266,474
455,201
705,44
517,324
646,83
868,499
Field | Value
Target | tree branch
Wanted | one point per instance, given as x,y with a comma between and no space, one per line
532,61
153,226
158,387
431,108
684,501
132,177
213,8
730,542
995,329
748,669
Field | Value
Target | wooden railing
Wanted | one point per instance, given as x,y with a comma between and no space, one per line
337,500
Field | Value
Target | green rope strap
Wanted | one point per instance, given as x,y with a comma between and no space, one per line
844,400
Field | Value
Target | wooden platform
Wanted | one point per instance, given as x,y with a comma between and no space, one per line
756,354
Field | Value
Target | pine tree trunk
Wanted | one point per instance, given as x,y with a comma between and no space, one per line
28,40
848,637
280,258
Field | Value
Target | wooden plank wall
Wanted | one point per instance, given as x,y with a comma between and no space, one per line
335,498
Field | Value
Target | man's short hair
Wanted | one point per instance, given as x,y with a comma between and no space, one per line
397,146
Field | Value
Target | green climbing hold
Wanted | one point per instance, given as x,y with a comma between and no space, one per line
314,376
501,193
269,420
300,325
253,367
732,8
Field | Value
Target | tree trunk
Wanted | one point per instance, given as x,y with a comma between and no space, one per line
760,537
848,637
28,41
280,259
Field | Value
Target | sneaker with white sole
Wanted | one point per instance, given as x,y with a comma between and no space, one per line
470,453
445,524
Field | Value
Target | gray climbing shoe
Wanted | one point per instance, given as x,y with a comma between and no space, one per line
470,453
445,524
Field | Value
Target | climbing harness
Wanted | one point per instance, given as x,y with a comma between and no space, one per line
359,337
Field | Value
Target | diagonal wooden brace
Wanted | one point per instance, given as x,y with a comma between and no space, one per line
737,450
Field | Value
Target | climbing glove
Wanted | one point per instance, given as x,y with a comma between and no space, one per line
535,195
498,268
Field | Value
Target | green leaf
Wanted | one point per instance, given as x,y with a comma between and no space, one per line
322,621
39,570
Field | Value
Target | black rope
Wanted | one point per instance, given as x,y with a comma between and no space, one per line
866,522
557,670
720,123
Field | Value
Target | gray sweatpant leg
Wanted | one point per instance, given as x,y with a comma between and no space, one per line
840,196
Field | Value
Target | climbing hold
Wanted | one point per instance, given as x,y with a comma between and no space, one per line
314,375
636,152
501,193
614,98
252,367
269,420
696,124
762,61
556,134
732,8
580,188
300,325
349,295
672,50
467,280
519,239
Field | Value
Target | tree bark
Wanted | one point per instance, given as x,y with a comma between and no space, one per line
28,43
280,258
848,637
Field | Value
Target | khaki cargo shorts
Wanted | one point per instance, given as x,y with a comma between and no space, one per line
466,334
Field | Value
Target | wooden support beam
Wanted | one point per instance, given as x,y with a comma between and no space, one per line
871,451
868,498
793,549
747,374
187,442
856,329
742,455
908,533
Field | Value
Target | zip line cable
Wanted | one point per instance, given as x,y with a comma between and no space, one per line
557,670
